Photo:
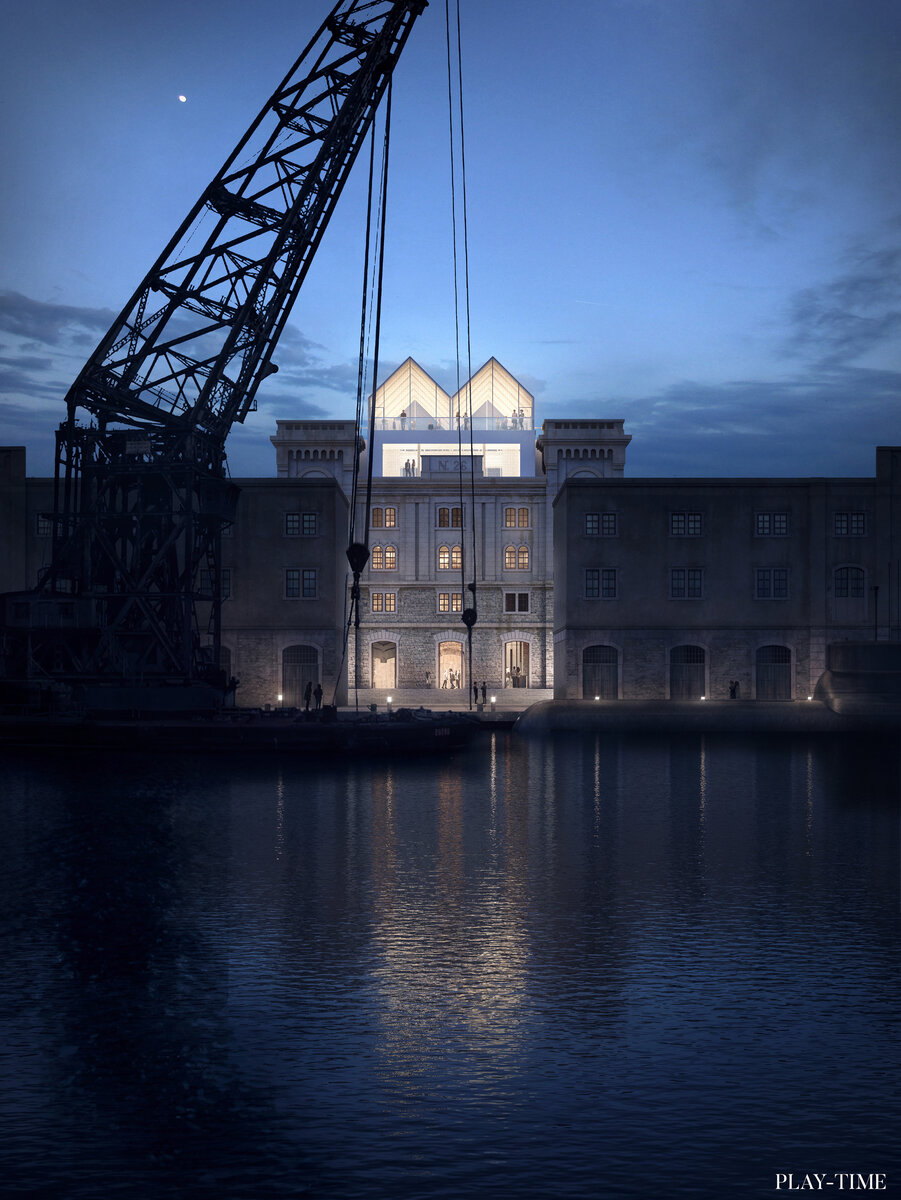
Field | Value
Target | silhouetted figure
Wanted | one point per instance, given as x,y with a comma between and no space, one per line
308,694
484,692
317,696
475,692
403,420
428,679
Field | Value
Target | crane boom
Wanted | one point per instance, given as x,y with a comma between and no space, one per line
141,492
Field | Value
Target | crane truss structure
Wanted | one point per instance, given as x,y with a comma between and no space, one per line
141,489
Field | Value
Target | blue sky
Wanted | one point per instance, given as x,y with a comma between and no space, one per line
683,213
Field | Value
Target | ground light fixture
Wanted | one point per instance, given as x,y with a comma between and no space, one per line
389,704
703,697
279,697
597,697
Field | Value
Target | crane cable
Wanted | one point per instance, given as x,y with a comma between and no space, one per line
358,550
469,615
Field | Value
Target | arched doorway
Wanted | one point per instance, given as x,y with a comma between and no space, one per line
600,671
686,672
774,673
384,664
300,666
450,665
516,664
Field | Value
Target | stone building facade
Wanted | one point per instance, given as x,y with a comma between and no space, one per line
587,582
683,588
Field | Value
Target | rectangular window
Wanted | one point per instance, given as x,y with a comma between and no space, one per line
390,601
377,519
456,601
450,602
390,518
43,526
377,602
685,524
771,524
686,583
228,530
444,601
523,518
608,583
592,583
510,518
292,524
849,524
600,524
516,602
308,583
457,518
225,582
771,583
292,583
309,524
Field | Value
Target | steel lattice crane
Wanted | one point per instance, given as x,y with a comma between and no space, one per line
141,489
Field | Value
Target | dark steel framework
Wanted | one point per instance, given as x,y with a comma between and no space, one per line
141,487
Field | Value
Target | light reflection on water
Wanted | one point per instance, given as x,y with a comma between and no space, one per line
580,967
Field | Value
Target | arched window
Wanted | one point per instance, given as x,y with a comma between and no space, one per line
523,558
457,557
848,583
300,666
390,558
510,558
378,558
443,518
774,673
600,670
686,672
443,558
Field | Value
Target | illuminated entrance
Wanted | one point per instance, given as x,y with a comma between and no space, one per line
450,665
516,664
384,664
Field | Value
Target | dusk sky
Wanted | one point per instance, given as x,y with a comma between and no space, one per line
683,213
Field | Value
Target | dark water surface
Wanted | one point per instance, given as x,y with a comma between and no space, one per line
575,968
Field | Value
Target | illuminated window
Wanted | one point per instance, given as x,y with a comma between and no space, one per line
457,557
510,558
443,518
390,518
377,519
523,558
390,601
444,558
510,518
523,518
377,602
450,602
457,518
390,558
377,562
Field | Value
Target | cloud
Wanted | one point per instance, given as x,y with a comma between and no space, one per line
824,422
48,324
852,314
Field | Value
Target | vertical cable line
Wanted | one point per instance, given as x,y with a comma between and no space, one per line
469,615
358,550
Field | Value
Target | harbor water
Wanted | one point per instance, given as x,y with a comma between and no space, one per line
575,967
